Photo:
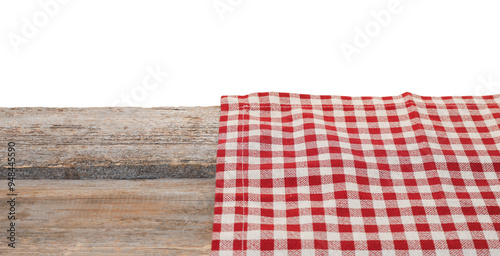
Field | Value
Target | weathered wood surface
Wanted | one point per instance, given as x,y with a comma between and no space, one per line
112,143
112,217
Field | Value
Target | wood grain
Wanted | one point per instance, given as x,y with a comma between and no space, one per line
112,143
112,217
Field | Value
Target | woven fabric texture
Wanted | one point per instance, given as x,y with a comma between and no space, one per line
335,175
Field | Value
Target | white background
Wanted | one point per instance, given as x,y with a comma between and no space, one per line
95,53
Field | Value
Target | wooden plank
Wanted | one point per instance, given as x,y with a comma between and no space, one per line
112,143
112,217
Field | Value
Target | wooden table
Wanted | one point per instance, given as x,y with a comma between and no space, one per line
111,181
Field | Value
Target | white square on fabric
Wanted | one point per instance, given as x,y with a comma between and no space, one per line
469,124
253,133
407,220
458,218
464,235
490,175
325,171
433,219
404,203
323,157
280,234
371,159
231,159
473,189
279,190
474,135
443,174
354,203
379,204
480,147
338,113
304,204
305,219
453,202
307,235
279,221
298,134
254,219
408,134
490,235
278,174
495,188
376,189
351,186
229,175
457,147
254,160
419,174
365,137
330,219
356,220
484,218
373,173
384,125
302,172
333,236
485,159
254,190
276,148
416,159
228,219
428,202
226,235
382,221
467,175
362,125
279,205
490,122
253,234
322,143
385,236
229,190
439,158
424,189
327,188
301,159
344,145
350,171
442,112
299,147
411,235
405,123
393,160
359,236
303,190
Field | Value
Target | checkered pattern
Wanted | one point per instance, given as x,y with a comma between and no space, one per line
333,175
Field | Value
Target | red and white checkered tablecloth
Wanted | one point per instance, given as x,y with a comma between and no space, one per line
335,175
